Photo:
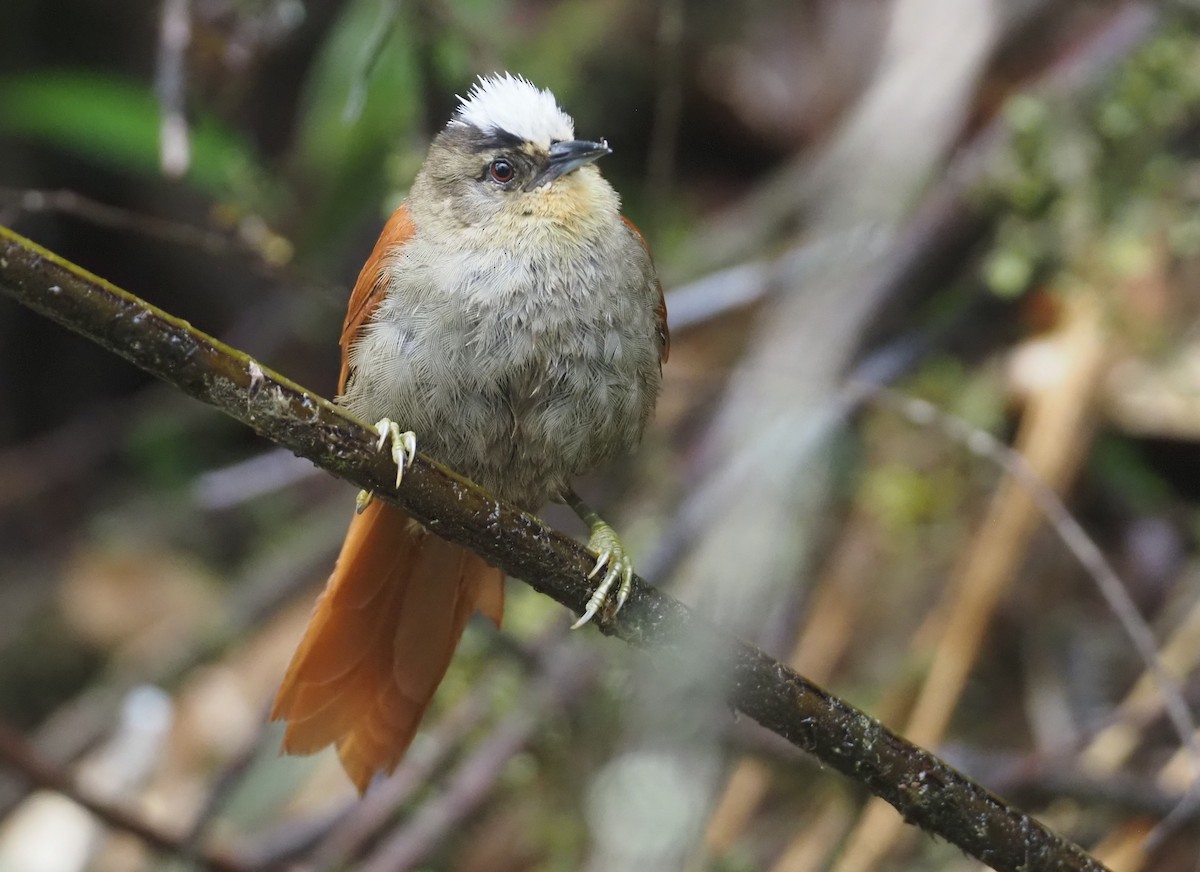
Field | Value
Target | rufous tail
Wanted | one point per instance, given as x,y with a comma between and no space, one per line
380,640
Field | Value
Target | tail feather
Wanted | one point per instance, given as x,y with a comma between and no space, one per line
319,714
380,641
417,664
489,598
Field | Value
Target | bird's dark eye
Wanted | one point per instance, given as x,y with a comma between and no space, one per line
501,170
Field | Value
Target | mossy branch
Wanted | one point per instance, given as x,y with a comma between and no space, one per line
922,788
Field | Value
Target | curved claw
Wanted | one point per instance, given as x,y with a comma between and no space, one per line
588,614
604,557
618,566
403,450
362,501
625,588
404,445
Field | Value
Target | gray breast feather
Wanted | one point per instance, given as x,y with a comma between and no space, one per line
519,373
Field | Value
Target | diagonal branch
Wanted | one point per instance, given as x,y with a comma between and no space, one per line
922,788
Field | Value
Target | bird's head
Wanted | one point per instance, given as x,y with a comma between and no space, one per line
508,161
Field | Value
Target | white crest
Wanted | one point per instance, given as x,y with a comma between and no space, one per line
513,104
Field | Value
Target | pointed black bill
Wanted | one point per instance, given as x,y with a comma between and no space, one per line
568,156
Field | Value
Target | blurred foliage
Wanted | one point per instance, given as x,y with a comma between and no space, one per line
1121,468
1087,188
353,115
115,122
45,665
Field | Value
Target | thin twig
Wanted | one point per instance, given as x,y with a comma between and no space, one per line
1073,536
373,814
923,789
565,674
1098,568
252,241
335,840
227,782
17,754
67,202
988,566
62,456
258,590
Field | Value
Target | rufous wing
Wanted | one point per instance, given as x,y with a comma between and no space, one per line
371,285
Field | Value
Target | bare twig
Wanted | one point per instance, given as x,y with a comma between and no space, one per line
923,788
251,241
16,754
372,815
60,456
249,479
1061,409
1098,568
335,840
1077,540
564,674
69,202
228,780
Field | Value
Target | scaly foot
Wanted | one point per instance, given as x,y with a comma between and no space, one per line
612,558
404,451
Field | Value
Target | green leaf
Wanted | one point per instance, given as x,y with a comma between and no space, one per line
359,103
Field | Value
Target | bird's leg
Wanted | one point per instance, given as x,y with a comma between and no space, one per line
404,450
610,556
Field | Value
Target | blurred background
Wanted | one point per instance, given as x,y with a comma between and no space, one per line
930,430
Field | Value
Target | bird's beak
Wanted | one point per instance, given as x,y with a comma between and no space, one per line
569,156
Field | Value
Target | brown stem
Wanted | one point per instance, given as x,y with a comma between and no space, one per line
923,789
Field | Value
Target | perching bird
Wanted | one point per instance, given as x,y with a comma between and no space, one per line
510,319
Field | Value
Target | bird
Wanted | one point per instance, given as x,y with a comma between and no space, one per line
512,320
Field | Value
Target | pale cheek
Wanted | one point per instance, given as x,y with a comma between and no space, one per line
478,208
